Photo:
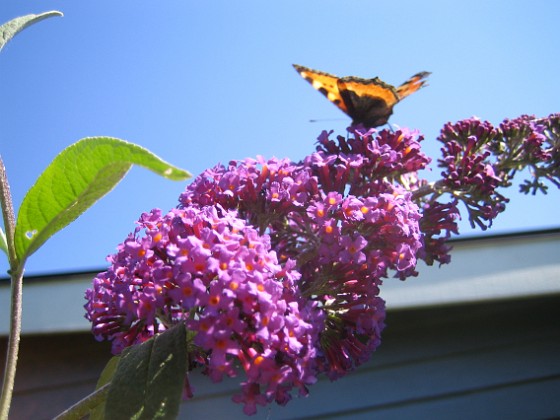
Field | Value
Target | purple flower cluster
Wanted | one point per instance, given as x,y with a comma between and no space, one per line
341,219
466,149
479,158
439,221
205,267
533,143
275,266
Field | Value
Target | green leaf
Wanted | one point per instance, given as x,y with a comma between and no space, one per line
149,380
106,376
79,176
10,29
3,242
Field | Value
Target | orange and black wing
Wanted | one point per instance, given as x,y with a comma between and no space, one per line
413,84
325,83
369,101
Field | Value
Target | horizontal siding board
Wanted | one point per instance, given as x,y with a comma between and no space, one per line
486,268
436,331
46,403
483,269
410,385
440,356
537,399
447,362
52,361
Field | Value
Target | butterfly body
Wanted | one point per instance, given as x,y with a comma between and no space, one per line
368,102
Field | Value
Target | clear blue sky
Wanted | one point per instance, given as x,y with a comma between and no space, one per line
201,82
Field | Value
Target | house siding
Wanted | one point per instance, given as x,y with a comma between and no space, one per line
484,360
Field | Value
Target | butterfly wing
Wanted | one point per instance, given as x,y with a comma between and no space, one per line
369,101
325,83
413,84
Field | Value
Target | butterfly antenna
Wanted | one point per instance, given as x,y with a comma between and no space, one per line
325,119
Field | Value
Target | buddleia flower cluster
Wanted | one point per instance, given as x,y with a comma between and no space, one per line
275,267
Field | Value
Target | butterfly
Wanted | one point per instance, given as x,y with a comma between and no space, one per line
368,102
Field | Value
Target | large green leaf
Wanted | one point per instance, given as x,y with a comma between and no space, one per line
149,379
10,29
79,176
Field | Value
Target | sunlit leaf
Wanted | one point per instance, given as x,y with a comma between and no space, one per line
149,379
10,29
79,176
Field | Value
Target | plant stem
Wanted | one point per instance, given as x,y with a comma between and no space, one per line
8,214
13,346
16,272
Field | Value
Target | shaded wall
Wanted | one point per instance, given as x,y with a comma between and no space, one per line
486,360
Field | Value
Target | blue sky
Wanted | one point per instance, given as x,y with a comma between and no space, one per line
204,82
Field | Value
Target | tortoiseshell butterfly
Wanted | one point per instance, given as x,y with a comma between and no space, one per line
367,101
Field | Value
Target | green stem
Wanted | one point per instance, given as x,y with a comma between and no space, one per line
16,272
